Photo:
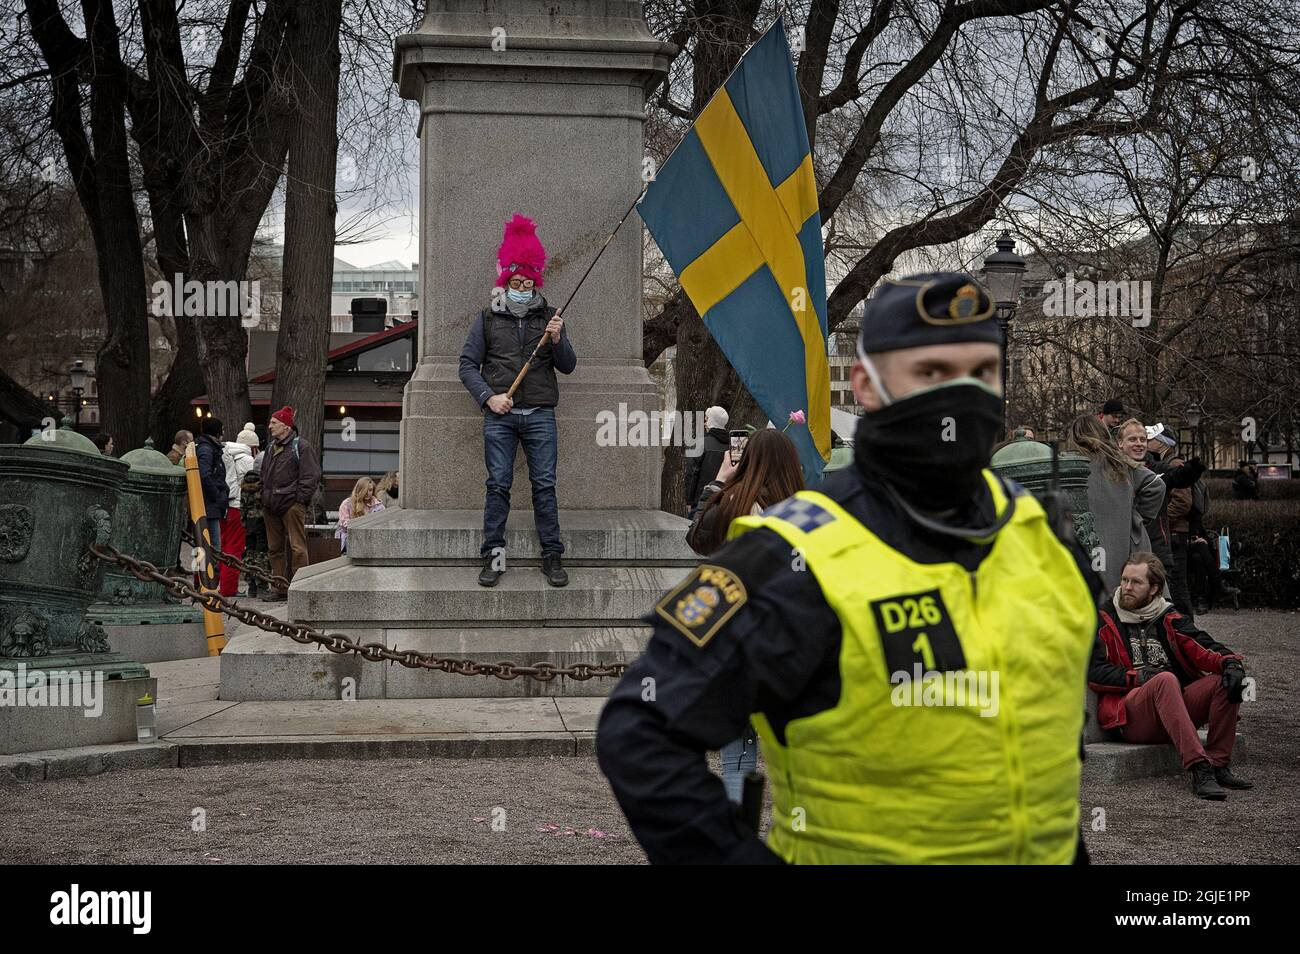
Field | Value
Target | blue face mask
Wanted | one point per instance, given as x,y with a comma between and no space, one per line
519,297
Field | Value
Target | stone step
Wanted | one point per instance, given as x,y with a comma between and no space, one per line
270,667
413,537
1109,762
339,592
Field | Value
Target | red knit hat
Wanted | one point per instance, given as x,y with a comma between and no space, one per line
520,253
284,416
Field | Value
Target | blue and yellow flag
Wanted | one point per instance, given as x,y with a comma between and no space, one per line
734,210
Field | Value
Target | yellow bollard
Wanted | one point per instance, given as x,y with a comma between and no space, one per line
214,624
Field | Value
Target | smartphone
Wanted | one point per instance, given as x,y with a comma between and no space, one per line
738,441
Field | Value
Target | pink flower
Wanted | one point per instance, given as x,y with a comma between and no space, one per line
797,417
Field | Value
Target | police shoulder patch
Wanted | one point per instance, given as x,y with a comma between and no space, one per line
702,603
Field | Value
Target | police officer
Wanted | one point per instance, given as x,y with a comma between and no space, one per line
911,642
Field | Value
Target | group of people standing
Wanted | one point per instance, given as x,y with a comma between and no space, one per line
255,500
1144,497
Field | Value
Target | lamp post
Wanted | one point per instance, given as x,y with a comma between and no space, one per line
1004,270
78,374
1194,416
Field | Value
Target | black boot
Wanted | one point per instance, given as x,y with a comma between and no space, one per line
489,575
1204,784
1223,775
552,570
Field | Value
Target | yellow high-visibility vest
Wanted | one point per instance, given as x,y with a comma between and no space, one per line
944,768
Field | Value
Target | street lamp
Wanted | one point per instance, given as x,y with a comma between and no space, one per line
1004,270
79,374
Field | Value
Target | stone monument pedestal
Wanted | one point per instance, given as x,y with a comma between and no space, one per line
537,109
410,582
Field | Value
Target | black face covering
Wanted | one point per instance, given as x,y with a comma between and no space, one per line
392,492
904,445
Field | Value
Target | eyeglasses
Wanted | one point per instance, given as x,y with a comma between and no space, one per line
520,284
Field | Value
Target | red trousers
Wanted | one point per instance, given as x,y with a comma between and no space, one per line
232,544
1160,710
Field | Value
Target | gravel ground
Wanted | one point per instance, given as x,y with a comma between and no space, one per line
560,810
393,811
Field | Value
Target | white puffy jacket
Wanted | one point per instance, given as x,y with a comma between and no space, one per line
239,461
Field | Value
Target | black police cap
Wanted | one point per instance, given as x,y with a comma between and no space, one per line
928,309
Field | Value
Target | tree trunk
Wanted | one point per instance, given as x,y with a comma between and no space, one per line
122,363
170,410
222,343
100,169
309,214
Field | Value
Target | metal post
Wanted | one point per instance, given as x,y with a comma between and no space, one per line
1005,313
203,563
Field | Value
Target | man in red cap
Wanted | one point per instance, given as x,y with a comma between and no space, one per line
290,474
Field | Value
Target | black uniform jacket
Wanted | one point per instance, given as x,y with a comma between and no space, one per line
778,654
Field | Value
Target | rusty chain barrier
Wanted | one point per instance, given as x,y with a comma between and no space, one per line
181,587
278,582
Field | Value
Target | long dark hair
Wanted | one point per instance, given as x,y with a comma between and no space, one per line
1090,437
768,472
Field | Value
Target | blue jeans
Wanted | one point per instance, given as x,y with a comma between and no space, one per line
502,434
739,758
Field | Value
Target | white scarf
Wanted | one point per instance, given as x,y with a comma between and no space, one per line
1144,615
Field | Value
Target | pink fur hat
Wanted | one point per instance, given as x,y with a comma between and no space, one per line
520,253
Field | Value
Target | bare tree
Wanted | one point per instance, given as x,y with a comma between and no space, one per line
303,341
929,121
1200,212
94,140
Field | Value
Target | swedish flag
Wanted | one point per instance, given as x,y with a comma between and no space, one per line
734,210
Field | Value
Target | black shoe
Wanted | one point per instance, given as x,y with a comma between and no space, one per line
1223,775
552,570
489,575
1204,784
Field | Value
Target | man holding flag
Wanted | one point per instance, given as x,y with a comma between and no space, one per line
508,365
915,565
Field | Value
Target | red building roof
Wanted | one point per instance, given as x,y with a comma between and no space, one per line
406,328
354,347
